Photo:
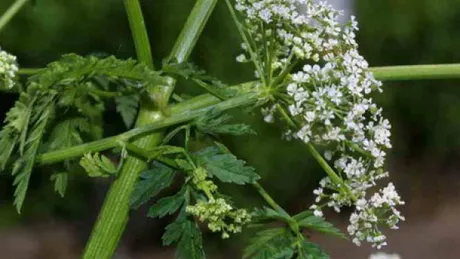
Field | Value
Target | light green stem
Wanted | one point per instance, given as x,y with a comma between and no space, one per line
417,72
192,30
114,214
11,12
389,73
115,211
182,115
28,71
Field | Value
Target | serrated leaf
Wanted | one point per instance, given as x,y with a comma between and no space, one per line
127,107
190,245
275,243
268,213
216,123
309,250
173,232
60,182
97,165
190,71
14,133
226,167
152,182
22,168
320,225
167,205
67,133
72,68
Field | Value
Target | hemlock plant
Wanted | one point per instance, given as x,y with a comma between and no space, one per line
308,75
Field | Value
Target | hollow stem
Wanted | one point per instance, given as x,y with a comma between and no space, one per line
114,214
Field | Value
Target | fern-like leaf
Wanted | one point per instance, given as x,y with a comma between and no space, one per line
127,107
73,68
22,168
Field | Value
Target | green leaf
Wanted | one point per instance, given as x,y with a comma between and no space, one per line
216,123
318,224
60,182
71,69
127,107
191,72
274,243
226,167
167,205
152,182
190,245
67,133
15,132
22,168
97,165
311,251
173,232
268,213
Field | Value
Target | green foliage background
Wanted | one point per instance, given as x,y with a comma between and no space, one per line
424,114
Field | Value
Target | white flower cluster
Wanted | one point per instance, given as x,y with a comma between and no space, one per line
8,69
329,100
381,255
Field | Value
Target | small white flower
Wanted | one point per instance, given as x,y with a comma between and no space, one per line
8,69
241,58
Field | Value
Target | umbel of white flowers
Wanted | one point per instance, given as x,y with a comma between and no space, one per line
8,69
329,98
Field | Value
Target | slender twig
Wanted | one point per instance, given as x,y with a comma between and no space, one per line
11,12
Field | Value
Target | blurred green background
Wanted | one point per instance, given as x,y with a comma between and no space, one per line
424,162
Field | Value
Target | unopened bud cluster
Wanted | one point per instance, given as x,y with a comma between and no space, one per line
219,214
329,99
8,69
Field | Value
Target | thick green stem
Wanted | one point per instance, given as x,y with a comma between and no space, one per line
114,214
11,12
115,211
417,72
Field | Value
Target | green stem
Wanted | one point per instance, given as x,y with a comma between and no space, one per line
417,72
114,213
269,199
264,194
11,12
192,30
389,73
182,115
29,71
139,32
